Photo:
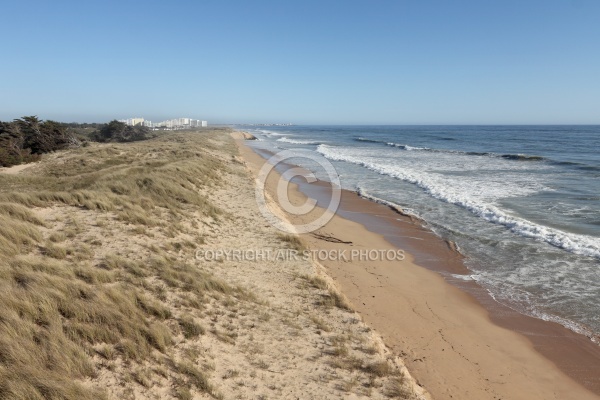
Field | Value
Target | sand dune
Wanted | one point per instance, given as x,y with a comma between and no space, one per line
108,291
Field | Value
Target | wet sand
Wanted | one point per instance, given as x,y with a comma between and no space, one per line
455,339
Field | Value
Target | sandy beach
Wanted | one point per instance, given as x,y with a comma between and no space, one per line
117,285
147,270
315,200
453,345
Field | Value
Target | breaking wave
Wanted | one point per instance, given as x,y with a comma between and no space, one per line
295,141
515,157
445,191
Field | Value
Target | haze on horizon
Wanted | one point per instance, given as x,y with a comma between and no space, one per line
309,62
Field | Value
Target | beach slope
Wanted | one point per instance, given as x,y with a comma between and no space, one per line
444,335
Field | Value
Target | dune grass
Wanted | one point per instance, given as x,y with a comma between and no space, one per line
293,241
62,305
328,295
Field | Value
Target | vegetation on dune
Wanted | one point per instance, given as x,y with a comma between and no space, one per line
116,131
293,241
26,139
102,296
67,301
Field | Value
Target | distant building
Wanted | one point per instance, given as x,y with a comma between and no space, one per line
176,123
182,123
133,121
198,123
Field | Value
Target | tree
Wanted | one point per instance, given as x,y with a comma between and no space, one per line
111,131
24,139
116,131
11,137
12,151
44,136
32,134
138,132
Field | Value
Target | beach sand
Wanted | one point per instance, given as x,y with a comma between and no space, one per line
444,335
16,169
217,327
134,224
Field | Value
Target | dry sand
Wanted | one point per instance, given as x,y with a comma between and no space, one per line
291,336
289,333
445,337
16,169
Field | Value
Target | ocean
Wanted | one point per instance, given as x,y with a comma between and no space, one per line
521,202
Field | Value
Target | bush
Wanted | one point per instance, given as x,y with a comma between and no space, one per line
25,139
116,131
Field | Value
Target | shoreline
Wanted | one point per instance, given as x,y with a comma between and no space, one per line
121,293
517,356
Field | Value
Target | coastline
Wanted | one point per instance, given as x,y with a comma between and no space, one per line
455,340
143,296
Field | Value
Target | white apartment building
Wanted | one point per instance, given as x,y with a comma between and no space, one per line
181,123
133,121
176,123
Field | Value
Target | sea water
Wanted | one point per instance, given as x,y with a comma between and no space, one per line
521,202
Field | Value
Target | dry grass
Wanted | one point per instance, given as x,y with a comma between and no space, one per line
292,241
397,389
320,324
189,327
196,378
329,296
62,304
20,213
314,281
334,299
100,289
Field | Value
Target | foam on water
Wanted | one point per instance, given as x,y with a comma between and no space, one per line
464,277
407,147
402,210
515,157
271,133
476,196
286,139
521,202
361,139
504,288
529,307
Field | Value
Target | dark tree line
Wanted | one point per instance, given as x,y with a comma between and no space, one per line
94,125
116,131
25,139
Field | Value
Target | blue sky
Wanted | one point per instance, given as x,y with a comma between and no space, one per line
306,62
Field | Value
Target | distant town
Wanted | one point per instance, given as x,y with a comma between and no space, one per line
177,123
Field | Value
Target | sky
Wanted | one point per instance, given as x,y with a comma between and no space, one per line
303,62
